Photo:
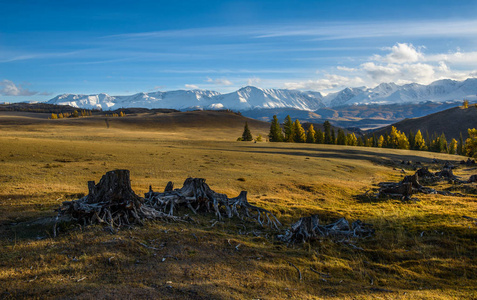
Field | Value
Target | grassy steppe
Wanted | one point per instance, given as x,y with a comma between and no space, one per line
421,250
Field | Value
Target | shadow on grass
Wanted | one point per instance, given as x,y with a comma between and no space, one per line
344,153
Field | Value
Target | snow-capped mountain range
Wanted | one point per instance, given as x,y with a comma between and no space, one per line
250,97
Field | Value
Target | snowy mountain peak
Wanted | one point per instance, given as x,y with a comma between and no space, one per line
250,97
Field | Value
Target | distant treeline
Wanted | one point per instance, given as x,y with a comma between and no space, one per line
82,113
295,133
37,108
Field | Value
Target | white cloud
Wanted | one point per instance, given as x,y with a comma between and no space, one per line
401,53
219,81
457,58
8,88
346,69
329,83
404,63
254,81
191,86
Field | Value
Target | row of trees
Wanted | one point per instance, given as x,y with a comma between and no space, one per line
82,113
74,114
294,132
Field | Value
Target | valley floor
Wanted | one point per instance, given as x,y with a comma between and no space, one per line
421,250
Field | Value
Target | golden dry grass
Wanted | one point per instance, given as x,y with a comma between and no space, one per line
421,250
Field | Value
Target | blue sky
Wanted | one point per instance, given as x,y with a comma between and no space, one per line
124,47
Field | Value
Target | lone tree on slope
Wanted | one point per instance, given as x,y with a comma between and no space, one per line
275,134
246,135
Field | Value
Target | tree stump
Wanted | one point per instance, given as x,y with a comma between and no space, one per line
309,228
111,202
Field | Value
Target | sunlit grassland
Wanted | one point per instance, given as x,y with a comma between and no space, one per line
422,249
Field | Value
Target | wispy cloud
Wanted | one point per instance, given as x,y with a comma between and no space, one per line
219,81
254,81
8,88
354,30
320,30
6,57
191,86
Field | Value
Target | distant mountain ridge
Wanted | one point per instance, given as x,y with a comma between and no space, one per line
250,98
452,122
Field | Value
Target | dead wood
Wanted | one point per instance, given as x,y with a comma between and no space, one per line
446,173
412,184
472,178
468,163
111,202
309,228
298,270
196,195
424,172
401,189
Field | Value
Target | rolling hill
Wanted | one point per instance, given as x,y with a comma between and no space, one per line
452,122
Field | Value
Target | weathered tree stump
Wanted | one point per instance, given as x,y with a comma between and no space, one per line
111,202
468,163
414,180
472,178
196,195
309,228
402,190
424,172
446,173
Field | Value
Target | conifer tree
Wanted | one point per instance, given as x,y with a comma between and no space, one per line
386,140
288,129
299,135
341,140
310,135
412,140
394,138
380,141
369,142
327,127
360,141
246,135
319,137
471,143
419,143
460,145
351,139
275,134
333,136
375,140
453,146
443,143
428,141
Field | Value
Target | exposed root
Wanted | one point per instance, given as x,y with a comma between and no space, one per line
112,202
308,228
196,195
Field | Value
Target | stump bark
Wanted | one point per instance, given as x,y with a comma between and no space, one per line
309,228
196,195
112,201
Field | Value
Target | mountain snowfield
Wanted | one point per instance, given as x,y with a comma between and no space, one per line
250,97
